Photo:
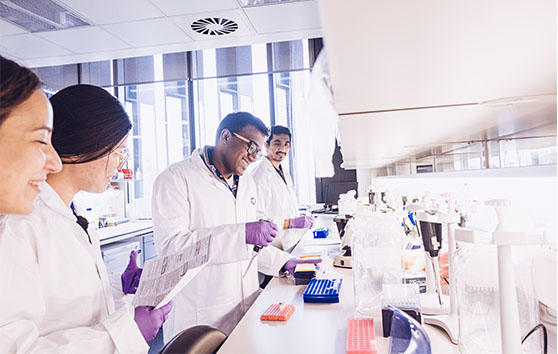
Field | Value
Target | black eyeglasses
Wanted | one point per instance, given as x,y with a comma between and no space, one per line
252,146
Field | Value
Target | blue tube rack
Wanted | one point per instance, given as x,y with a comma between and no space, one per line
323,290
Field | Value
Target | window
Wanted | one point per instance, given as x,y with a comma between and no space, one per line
215,98
176,101
161,130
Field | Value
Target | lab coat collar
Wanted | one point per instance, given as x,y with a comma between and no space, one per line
269,166
52,200
198,161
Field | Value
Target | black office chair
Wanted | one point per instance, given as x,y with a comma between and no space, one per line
195,340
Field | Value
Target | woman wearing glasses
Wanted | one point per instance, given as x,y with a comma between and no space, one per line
65,303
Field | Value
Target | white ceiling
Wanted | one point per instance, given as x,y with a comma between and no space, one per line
127,28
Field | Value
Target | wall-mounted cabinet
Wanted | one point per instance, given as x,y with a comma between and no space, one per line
409,75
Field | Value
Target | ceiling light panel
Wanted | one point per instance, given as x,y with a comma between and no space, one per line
39,15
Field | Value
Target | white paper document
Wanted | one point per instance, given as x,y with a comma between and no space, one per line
163,277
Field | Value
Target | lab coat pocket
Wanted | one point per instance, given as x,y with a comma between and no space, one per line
64,312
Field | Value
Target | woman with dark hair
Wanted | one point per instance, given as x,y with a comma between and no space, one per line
65,303
26,153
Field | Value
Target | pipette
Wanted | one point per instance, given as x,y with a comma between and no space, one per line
431,233
256,250
254,254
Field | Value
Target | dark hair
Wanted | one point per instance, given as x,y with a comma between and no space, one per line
17,83
278,130
234,122
88,123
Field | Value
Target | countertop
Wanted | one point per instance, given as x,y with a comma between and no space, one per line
124,231
313,328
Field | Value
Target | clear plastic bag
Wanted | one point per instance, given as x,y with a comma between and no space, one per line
478,299
377,246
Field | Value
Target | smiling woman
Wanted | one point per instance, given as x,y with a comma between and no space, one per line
26,154
56,281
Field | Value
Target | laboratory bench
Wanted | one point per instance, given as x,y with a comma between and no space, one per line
313,327
120,232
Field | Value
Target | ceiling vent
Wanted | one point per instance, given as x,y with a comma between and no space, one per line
213,26
39,15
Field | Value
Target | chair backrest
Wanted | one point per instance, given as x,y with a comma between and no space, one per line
195,340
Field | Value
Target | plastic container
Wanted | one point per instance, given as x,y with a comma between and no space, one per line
476,273
377,245
361,338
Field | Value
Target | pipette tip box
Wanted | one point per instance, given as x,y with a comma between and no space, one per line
321,232
304,272
278,312
322,290
360,336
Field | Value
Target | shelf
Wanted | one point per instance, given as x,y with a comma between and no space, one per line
500,238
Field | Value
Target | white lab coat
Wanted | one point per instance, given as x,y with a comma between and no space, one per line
278,200
55,295
189,204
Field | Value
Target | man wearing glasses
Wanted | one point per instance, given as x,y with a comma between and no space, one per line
209,195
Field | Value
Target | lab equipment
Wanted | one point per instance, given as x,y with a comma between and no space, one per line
149,320
347,203
131,276
278,312
343,260
293,263
431,233
304,272
321,232
301,222
259,234
404,297
438,309
477,293
360,336
414,261
322,290
496,294
377,244
407,335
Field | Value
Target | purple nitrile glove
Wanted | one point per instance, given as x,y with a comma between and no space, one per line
149,321
131,276
291,264
301,222
260,233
